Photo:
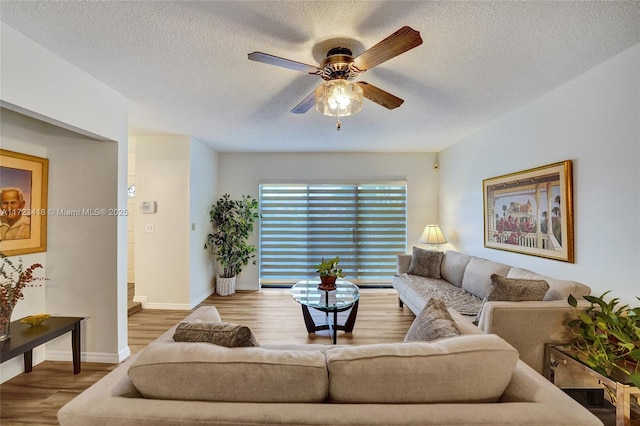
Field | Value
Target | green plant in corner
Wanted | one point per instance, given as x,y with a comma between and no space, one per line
607,336
233,222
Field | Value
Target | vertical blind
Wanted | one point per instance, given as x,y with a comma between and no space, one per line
364,224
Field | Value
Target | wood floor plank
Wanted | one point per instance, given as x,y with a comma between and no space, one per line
35,398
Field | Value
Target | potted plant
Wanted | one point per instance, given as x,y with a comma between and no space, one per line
233,222
14,277
329,273
608,337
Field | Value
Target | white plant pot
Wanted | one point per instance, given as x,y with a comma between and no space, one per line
225,286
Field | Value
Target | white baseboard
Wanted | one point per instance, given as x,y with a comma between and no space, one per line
169,306
103,357
15,366
140,299
124,354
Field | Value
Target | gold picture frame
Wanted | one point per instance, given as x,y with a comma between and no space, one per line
519,206
23,203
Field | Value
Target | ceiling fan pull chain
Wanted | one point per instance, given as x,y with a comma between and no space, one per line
338,125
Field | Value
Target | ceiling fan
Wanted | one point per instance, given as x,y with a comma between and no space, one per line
338,96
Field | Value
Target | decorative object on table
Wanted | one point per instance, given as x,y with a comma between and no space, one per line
35,320
329,273
13,278
233,222
432,235
23,222
607,336
519,207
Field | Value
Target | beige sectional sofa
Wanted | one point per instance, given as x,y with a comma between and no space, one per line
463,284
471,379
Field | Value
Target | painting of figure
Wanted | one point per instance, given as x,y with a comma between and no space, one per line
23,202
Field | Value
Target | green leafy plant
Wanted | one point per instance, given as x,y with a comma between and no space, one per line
329,268
607,336
233,222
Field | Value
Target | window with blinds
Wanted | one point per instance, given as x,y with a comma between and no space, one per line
364,224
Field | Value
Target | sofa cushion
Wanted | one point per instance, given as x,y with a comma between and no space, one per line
218,333
468,368
516,289
477,275
417,291
558,289
205,372
425,263
453,266
433,322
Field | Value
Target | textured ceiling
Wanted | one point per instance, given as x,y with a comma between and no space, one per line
184,64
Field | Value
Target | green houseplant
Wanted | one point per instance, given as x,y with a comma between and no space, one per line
329,272
233,222
607,336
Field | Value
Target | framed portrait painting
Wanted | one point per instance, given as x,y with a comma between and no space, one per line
23,203
531,212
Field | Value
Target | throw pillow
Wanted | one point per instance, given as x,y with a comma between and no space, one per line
218,333
516,289
434,322
425,263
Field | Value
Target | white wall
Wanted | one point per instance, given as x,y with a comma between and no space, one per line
203,174
240,174
40,85
592,120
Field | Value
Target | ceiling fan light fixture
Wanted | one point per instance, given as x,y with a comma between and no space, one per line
339,98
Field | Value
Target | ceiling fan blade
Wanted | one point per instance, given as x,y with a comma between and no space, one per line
406,38
379,96
282,62
306,104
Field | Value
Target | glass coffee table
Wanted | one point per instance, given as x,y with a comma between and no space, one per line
344,297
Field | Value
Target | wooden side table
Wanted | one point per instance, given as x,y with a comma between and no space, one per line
620,393
25,337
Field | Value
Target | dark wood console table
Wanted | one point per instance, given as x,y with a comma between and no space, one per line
24,338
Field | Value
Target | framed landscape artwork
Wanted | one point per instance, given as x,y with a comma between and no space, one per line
531,212
23,203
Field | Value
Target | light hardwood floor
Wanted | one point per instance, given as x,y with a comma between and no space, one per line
272,314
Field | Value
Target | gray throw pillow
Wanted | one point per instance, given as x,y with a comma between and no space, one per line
425,263
433,322
218,333
516,289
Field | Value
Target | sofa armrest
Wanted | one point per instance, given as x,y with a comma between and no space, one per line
528,326
403,261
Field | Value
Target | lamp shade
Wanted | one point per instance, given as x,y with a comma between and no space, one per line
339,98
432,235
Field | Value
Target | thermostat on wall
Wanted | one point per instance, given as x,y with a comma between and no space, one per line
148,207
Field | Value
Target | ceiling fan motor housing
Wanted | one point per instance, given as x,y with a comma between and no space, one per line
336,65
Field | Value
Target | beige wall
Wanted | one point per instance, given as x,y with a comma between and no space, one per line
173,271
240,174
